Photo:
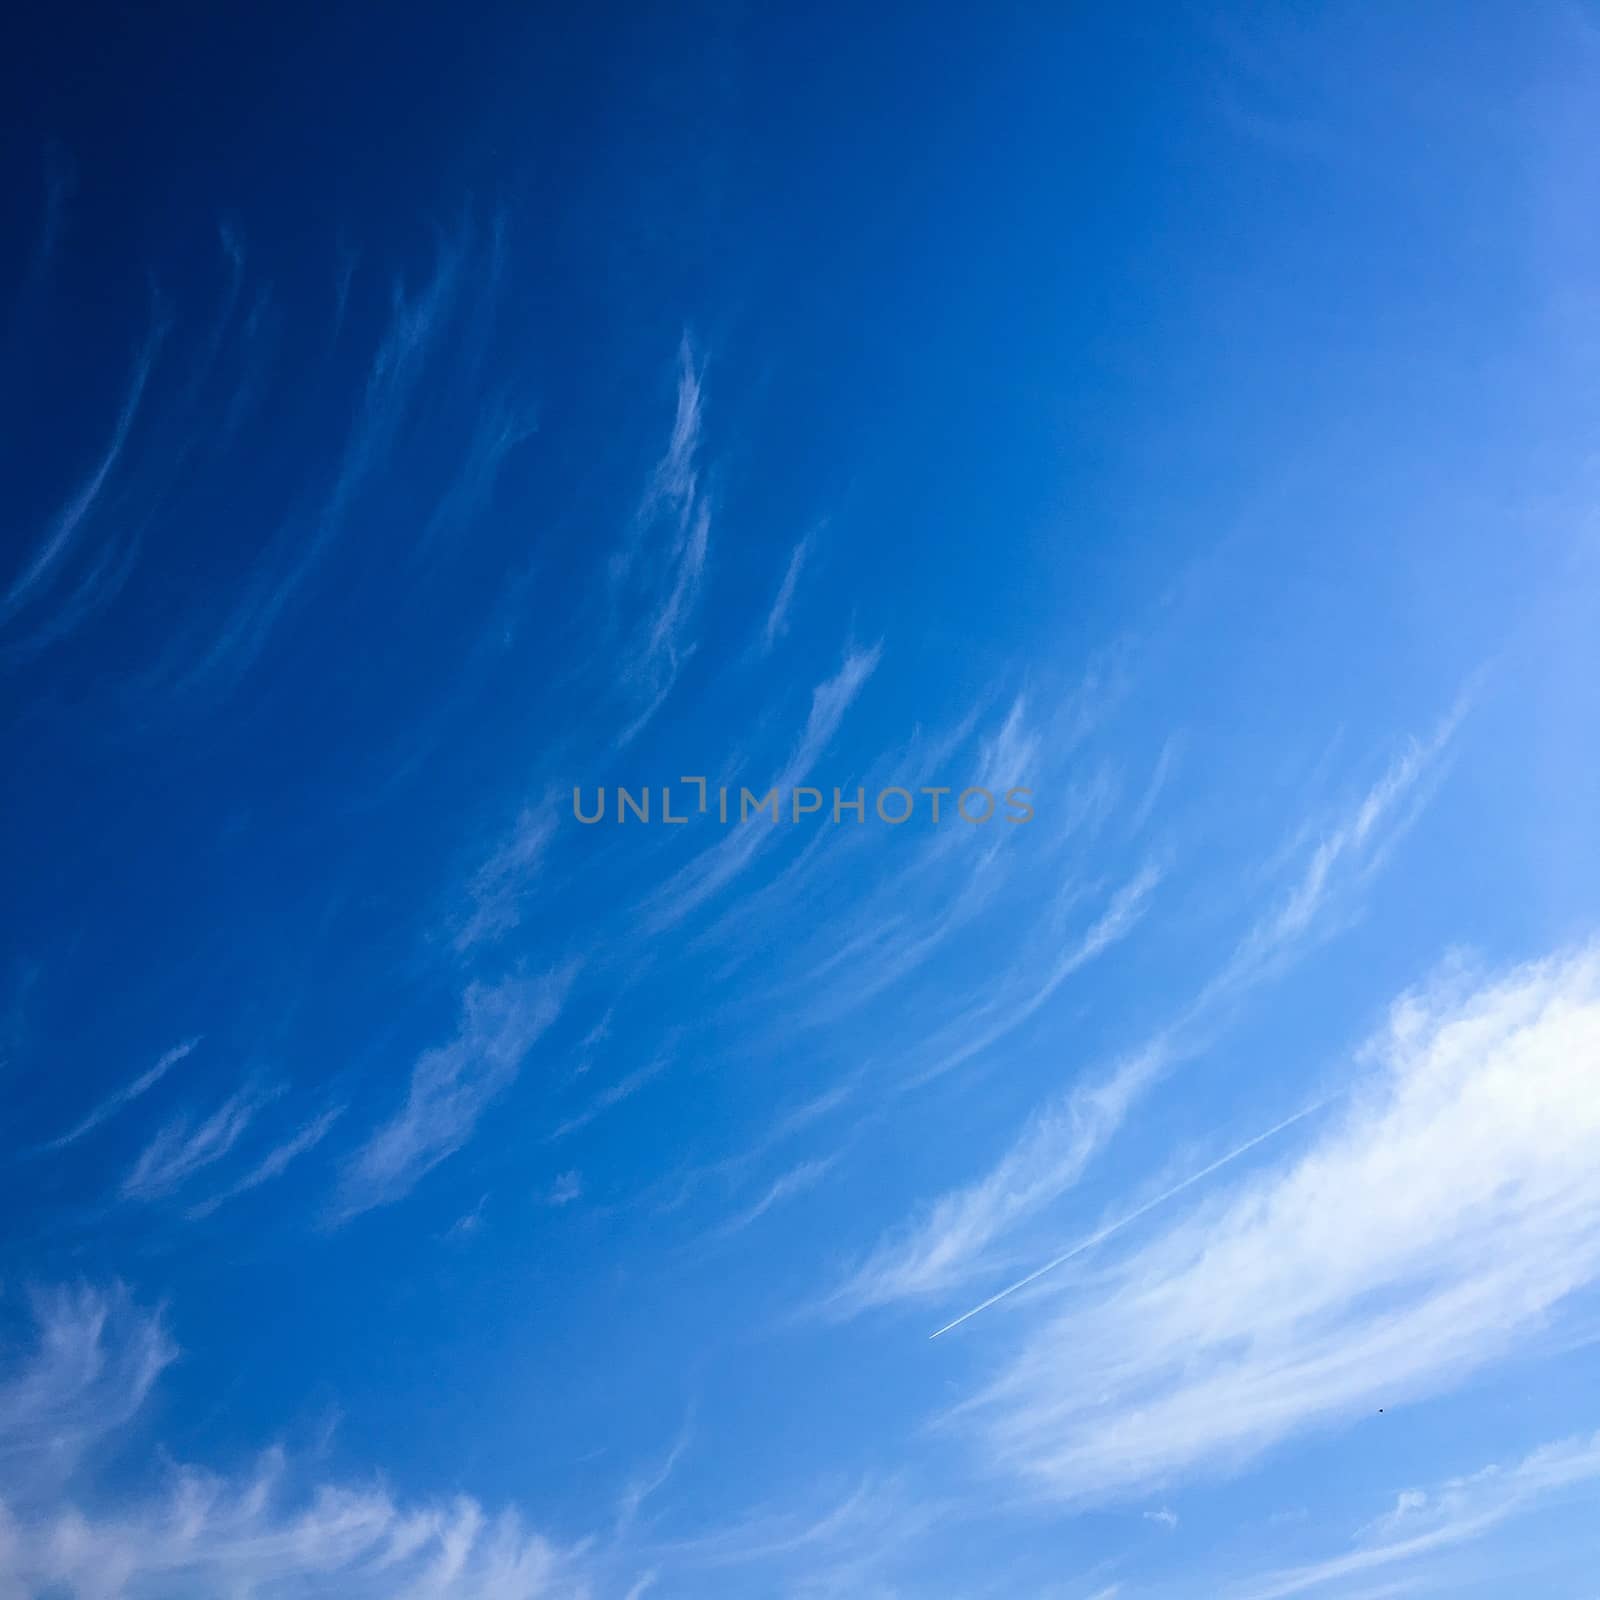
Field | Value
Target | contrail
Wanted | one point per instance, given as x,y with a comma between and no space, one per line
1133,1216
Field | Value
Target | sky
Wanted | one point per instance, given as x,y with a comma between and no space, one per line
800,802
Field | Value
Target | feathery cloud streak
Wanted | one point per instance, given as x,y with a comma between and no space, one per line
112,1104
81,504
1457,1512
945,1248
450,1087
183,1148
718,865
777,623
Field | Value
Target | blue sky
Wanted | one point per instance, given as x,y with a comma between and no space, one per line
1184,416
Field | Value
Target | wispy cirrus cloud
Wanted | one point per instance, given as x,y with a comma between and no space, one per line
1424,1522
1346,855
60,179
946,1247
499,887
666,646
130,1092
668,568
415,332
995,1017
714,868
777,623
276,1162
628,1085
41,568
450,1087
271,1527
95,1361
1128,1218
1166,762
203,1535
1450,1209
953,876
185,1147
847,1547
500,431
192,1534
568,1186
640,1489
675,484
798,1179
944,881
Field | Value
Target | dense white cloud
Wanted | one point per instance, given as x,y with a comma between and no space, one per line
1447,1211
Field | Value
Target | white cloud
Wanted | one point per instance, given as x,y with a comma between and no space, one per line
1346,855
130,1092
675,482
994,1019
451,1085
412,338
197,1535
640,1489
500,885
469,1225
628,1085
938,885
777,623
80,505
797,1180
945,1247
205,1536
1446,1212
1455,1513
276,1161
846,1549
673,500
1111,1229
271,1530
718,865
96,1359
182,1149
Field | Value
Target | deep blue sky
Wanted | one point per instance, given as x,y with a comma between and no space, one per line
408,416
